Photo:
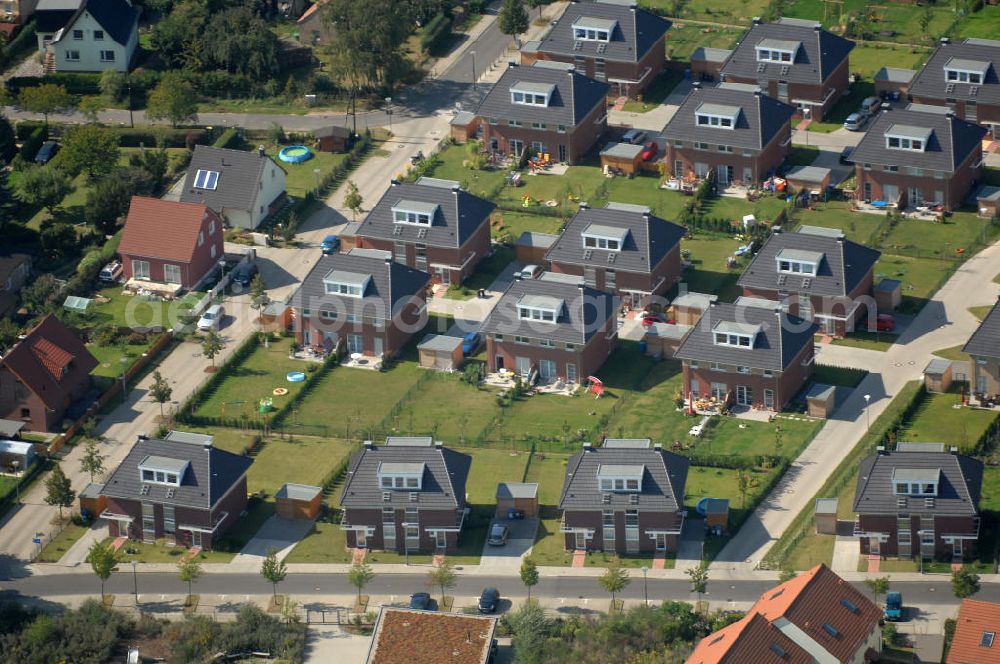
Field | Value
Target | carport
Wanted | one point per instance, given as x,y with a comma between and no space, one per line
521,496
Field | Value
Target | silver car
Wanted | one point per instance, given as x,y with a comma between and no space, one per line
212,318
498,535
855,122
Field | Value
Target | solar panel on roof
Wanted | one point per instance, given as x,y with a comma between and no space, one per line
205,179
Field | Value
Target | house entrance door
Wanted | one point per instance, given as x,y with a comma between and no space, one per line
499,362
581,540
378,347
661,542
874,546
441,540
195,539
361,539
516,146
956,548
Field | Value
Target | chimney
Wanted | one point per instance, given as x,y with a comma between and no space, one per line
817,27
758,93
756,20
633,6
141,437
394,182
438,444
945,40
584,205
587,447
369,444
776,229
880,449
658,447
511,64
696,85
954,450
260,150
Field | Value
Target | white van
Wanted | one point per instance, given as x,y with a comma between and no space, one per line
870,105
212,318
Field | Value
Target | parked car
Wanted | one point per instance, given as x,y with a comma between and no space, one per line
111,272
46,152
634,136
212,318
420,601
530,272
330,244
471,342
649,150
489,600
649,319
855,122
498,535
845,156
885,323
894,606
871,105
244,274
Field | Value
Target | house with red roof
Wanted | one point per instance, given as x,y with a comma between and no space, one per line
814,617
975,640
170,242
43,374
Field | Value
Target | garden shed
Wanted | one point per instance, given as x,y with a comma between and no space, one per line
440,352
938,375
663,339
10,429
16,452
893,80
821,400
518,496
687,308
717,513
988,201
463,126
811,178
623,157
275,317
91,500
333,139
888,295
298,501
825,516
706,63
532,246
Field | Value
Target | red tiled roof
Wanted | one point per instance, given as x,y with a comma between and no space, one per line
52,357
751,639
426,637
974,619
168,230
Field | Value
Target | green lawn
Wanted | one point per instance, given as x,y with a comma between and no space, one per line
490,467
921,277
452,166
658,90
706,482
938,421
111,307
61,543
709,272
930,239
980,312
325,543
733,209
302,178
982,24
449,409
161,552
990,500
862,228
578,184
867,59
549,470
953,353
845,377
880,341
644,189
512,224
302,461
683,38
109,358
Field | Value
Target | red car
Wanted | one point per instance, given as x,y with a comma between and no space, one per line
648,319
885,323
649,150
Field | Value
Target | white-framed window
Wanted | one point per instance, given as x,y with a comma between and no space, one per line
561,129
917,172
775,55
492,121
731,339
537,313
546,343
72,56
78,35
518,339
890,168
201,238
107,55
394,475
715,366
98,35
140,269
514,123
355,289
421,217
701,146
169,473
597,242
912,143
768,373
538,125
211,226
713,120
726,148
796,267
583,32
954,75
742,370
172,274
530,97
205,179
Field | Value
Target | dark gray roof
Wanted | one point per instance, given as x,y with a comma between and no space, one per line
930,81
445,474
575,96
649,239
775,346
118,18
536,239
845,264
662,487
760,118
636,32
950,143
10,428
50,15
440,342
815,174
210,474
298,491
391,285
937,366
959,485
332,130
517,490
709,54
459,214
895,75
239,172
820,54
985,341
693,300
584,313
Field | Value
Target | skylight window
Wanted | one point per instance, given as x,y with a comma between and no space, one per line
987,640
204,179
849,605
831,630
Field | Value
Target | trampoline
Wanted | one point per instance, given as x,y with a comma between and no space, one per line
295,154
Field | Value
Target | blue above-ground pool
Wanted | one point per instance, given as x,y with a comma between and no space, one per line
295,376
295,154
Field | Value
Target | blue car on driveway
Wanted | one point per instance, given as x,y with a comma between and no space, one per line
331,243
471,342
420,601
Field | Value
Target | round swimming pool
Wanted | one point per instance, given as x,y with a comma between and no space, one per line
295,154
295,376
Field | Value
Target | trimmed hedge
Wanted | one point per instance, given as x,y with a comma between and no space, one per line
131,137
185,414
230,138
436,32
25,128
33,144
24,42
76,83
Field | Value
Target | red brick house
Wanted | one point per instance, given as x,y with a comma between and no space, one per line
359,302
622,249
975,640
43,374
431,225
406,495
747,356
170,242
918,156
610,41
795,61
918,500
551,328
816,274
965,78
732,130
625,497
546,109
181,488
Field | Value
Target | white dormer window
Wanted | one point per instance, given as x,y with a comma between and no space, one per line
162,470
531,94
540,308
598,236
593,29
404,476
904,143
907,137
739,335
414,212
342,282
921,482
726,339
620,477
796,267
777,50
798,261
960,70
717,115
534,313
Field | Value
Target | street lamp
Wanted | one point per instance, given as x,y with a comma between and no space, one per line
388,110
124,362
135,581
645,592
16,465
473,54
868,414
131,120
317,171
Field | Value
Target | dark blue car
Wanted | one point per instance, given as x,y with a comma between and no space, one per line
470,342
331,243
244,274
420,601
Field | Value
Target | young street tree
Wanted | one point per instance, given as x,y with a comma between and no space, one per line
513,19
172,99
45,186
211,346
359,576
273,570
353,200
189,571
529,575
699,578
103,560
443,577
615,578
257,291
879,586
45,99
89,149
538,4
59,491
92,462
160,390
964,583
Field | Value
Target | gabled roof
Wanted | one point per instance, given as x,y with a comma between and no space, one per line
819,54
157,228
336,131
240,173
392,284
210,474
584,313
458,215
931,82
648,240
845,264
636,31
443,482
985,341
815,609
10,263
779,339
118,18
574,98
48,355
895,75
959,484
429,637
971,643
661,488
950,140
759,120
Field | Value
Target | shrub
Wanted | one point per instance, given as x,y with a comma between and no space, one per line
230,138
33,144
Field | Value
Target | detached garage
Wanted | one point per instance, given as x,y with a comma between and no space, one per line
517,496
440,352
298,501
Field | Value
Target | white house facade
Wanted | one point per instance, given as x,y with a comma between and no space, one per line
87,45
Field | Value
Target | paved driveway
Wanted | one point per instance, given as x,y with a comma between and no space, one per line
276,533
508,557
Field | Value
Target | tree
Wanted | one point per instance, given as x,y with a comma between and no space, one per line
529,574
211,346
359,576
925,18
531,627
173,99
8,334
513,19
45,186
743,485
39,296
108,201
58,239
257,291
964,583
92,461
699,578
273,570
239,41
8,139
538,4
113,83
160,390
879,586
45,99
353,200
443,577
614,579
59,490
366,49
103,560
189,571
90,106
89,149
